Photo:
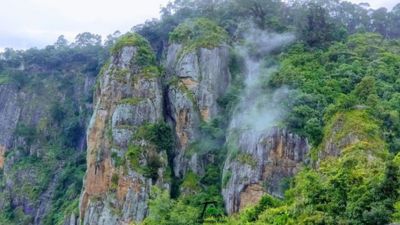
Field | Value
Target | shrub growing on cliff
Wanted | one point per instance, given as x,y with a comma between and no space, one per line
159,134
144,56
199,33
159,138
27,132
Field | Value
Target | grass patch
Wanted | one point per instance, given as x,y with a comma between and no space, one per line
130,101
4,79
245,158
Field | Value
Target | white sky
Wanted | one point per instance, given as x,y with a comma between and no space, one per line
36,23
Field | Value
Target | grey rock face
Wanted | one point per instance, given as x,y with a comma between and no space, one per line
125,100
258,164
30,106
71,220
196,80
9,114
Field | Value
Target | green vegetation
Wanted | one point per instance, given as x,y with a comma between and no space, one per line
144,56
159,134
47,150
165,211
245,158
130,101
359,187
27,132
136,154
66,197
190,183
344,85
117,160
359,73
39,170
114,181
4,79
159,139
133,155
198,33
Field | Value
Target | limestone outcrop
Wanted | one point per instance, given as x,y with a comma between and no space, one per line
259,164
128,99
196,80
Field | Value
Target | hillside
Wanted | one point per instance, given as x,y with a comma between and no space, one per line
225,112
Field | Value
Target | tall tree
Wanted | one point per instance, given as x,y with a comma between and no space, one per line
87,39
317,29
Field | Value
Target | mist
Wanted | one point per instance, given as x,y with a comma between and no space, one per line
259,108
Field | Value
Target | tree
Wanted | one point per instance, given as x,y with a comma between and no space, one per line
317,30
394,22
379,19
61,42
261,11
87,39
112,38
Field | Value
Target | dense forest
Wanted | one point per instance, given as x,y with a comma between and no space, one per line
336,63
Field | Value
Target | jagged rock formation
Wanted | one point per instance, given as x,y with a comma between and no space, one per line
9,115
29,172
197,78
127,99
259,164
123,160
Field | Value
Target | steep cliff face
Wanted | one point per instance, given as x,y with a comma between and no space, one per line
122,162
197,79
30,137
9,115
259,164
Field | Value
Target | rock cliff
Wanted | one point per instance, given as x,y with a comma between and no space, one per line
32,136
143,132
122,163
259,164
197,79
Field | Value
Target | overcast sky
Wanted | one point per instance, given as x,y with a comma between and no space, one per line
36,23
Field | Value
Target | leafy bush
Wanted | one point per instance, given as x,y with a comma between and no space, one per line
144,56
199,33
133,155
27,132
359,73
159,134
